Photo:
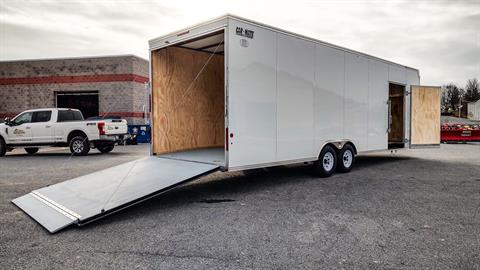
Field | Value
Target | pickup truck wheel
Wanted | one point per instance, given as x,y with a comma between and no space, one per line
79,146
326,163
31,150
105,148
3,147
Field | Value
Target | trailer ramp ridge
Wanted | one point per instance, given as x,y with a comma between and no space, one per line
96,195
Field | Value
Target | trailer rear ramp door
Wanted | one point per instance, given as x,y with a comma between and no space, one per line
93,196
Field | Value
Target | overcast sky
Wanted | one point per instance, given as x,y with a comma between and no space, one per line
441,38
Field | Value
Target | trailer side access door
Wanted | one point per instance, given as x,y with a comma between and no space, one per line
93,196
425,116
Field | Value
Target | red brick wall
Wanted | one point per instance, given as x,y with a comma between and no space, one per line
120,82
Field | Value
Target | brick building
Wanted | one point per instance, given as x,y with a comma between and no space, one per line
107,85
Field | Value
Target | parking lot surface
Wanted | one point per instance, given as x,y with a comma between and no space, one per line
415,209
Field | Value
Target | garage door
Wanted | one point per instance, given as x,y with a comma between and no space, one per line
86,102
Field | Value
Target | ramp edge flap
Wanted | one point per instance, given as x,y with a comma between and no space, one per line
85,221
51,215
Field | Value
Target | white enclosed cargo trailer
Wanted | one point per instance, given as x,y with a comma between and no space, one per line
268,97
232,94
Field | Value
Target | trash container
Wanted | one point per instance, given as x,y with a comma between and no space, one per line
142,133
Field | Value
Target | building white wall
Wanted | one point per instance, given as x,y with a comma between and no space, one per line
474,110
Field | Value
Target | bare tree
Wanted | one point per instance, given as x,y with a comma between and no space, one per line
451,98
472,90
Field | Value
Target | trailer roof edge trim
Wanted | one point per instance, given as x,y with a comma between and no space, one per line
157,43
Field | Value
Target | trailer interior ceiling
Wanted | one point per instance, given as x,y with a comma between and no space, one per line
188,99
396,132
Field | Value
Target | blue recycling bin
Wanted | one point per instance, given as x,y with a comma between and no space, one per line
142,132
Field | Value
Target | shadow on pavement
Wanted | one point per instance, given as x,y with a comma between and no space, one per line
218,186
57,154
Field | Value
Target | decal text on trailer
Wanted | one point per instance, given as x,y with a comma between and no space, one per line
244,32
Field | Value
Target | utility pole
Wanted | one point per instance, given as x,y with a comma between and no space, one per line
460,108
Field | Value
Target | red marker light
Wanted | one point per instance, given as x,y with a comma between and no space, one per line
226,139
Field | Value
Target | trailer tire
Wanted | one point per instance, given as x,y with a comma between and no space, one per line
3,147
346,159
326,163
105,148
31,150
79,146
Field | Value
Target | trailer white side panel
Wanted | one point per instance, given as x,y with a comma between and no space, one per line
295,98
274,76
397,74
356,100
377,105
329,93
252,96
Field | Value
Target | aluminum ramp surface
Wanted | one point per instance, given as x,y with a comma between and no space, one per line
93,196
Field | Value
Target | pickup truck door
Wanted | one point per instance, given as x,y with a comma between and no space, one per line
21,131
42,127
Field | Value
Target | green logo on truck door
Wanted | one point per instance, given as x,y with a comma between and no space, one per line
19,132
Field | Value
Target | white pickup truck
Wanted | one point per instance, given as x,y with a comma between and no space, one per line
60,127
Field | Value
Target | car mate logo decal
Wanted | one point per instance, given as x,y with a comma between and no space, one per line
19,132
244,32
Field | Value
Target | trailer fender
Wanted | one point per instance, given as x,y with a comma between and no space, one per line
338,145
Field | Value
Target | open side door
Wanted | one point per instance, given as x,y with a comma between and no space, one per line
425,116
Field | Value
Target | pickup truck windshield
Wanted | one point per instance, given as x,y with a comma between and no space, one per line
23,118
67,116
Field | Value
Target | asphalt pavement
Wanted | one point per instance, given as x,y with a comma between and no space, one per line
415,209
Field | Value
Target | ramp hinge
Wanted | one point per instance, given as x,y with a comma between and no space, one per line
55,206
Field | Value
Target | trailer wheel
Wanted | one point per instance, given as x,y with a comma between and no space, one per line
326,163
3,147
79,146
31,150
346,159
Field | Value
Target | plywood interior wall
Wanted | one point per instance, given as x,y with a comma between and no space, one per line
185,116
425,115
397,97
